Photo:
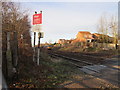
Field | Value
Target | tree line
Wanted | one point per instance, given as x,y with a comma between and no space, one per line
15,20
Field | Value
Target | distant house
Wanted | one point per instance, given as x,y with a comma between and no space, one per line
84,36
61,41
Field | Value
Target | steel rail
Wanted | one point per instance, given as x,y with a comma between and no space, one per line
73,59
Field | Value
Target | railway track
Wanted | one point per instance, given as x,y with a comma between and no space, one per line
73,59
80,56
81,63
76,62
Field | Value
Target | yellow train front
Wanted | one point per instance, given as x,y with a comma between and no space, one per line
49,47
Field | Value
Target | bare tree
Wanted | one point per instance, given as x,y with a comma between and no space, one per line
114,28
103,29
15,20
108,26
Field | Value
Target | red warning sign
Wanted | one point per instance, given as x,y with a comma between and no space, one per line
37,19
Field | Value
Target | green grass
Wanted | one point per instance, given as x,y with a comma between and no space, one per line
62,71
91,49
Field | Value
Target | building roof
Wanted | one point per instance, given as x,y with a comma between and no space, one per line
97,34
83,36
84,32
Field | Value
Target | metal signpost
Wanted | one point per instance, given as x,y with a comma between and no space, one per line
37,21
34,47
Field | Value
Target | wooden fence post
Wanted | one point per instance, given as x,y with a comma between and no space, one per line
4,58
15,48
9,55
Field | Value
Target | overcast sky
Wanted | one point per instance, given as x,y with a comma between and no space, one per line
63,20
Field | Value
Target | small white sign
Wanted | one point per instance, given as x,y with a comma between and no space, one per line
37,28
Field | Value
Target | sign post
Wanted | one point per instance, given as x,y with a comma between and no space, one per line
39,35
34,46
37,21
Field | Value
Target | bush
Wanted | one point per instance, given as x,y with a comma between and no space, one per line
90,49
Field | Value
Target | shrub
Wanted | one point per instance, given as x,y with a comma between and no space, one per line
90,49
